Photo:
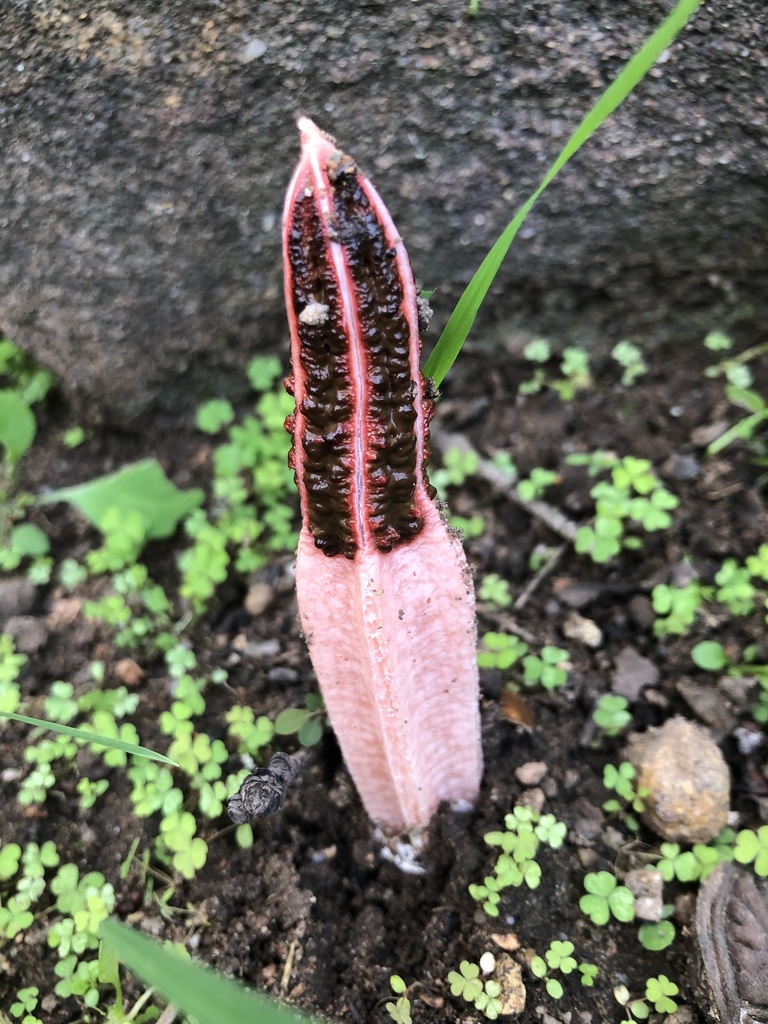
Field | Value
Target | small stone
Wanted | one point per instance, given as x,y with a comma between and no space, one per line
632,674
531,773
682,574
17,595
64,611
646,884
641,610
129,671
282,675
258,599
682,1015
29,633
585,631
508,941
687,781
509,975
708,705
681,467
487,963
577,593
252,50
533,798
740,692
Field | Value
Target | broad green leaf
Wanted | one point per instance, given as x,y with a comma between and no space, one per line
463,316
143,487
90,737
192,987
17,424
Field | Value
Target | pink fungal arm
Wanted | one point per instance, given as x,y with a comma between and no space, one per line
385,595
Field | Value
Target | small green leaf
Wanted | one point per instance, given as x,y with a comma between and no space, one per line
17,424
291,721
311,732
141,487
29,540
214,415
656,935
709,655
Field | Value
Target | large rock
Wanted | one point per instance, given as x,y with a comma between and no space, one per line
146,147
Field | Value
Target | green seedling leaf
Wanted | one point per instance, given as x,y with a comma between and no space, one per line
90,737
17,424
709,655
463,316
214,415
195,989
29,540
142,487
656,935
311,732
291,720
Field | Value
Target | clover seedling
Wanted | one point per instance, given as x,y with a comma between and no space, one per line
467,983
605,897
250,732
559,957
677,607
456,469
500,650
692,865
526,830
494,590
631,359
612,714
621,780
735,588
26,1004
659,992
399,1011
752,848
550,669
535,485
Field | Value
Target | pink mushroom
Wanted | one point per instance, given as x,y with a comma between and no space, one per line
385,594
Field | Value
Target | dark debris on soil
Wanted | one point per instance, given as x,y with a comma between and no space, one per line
312,911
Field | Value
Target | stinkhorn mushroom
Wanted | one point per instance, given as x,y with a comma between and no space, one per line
385,595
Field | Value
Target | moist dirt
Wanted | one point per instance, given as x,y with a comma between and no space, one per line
313,912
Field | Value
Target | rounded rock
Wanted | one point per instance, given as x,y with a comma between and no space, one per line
686,779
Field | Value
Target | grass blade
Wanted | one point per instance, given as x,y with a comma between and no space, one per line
463,316
192,987
90,737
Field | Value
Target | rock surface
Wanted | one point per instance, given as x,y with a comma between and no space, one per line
687,781
146,149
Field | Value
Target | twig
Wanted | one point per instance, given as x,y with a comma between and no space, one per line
169,1015
533,584
504,482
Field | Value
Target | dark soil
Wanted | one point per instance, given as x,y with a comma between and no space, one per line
314,889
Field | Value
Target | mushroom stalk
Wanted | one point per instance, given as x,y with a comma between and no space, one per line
385,594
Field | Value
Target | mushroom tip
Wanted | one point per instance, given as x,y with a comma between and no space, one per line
311,133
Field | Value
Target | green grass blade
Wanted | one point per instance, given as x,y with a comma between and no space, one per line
192,987
463,316
90,737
